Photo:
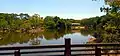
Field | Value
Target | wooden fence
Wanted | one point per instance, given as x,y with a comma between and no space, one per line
97,49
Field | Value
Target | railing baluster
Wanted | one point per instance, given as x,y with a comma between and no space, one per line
67,47
17,53
97,51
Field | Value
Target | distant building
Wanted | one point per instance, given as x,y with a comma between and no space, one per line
75,24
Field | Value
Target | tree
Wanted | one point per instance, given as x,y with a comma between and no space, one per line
56,19
115,3
50,25
36,20
48,18
3,23
114,6
25,24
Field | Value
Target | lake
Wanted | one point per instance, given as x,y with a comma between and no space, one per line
42,38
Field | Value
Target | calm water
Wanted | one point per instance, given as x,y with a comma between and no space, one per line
42,38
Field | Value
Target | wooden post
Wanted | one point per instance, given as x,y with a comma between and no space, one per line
17,53
97,51
67,47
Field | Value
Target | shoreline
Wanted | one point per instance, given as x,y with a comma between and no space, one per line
35,30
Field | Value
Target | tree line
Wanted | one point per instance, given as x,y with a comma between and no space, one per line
108,25
109,22
25,22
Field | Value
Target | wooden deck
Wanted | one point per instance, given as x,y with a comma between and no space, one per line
67,49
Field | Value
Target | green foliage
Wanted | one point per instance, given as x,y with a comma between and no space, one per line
50,25
25,24
19,21
22,21
111,38
35,20
56,23
115,3
3,23
108,25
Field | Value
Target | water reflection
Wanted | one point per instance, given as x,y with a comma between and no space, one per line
55,37
41,38
12,38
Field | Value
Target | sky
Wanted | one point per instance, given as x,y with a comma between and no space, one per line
75,9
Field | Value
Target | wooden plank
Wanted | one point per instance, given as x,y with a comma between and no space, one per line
109,53
10,53
55,51
83,54
93,45
82,50
31,47
58,46
92,49
110,49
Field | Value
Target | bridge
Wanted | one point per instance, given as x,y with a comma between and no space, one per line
76,26
67,49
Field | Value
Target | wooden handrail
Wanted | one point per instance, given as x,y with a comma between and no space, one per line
58,46
96,44
31,47
67,51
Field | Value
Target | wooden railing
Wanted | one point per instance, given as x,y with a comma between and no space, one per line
97,49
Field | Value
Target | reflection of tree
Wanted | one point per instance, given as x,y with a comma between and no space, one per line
55,34
12,38
86,32
48,35
62,32
35,41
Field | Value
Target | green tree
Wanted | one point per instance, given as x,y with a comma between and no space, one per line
36,21
3,23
